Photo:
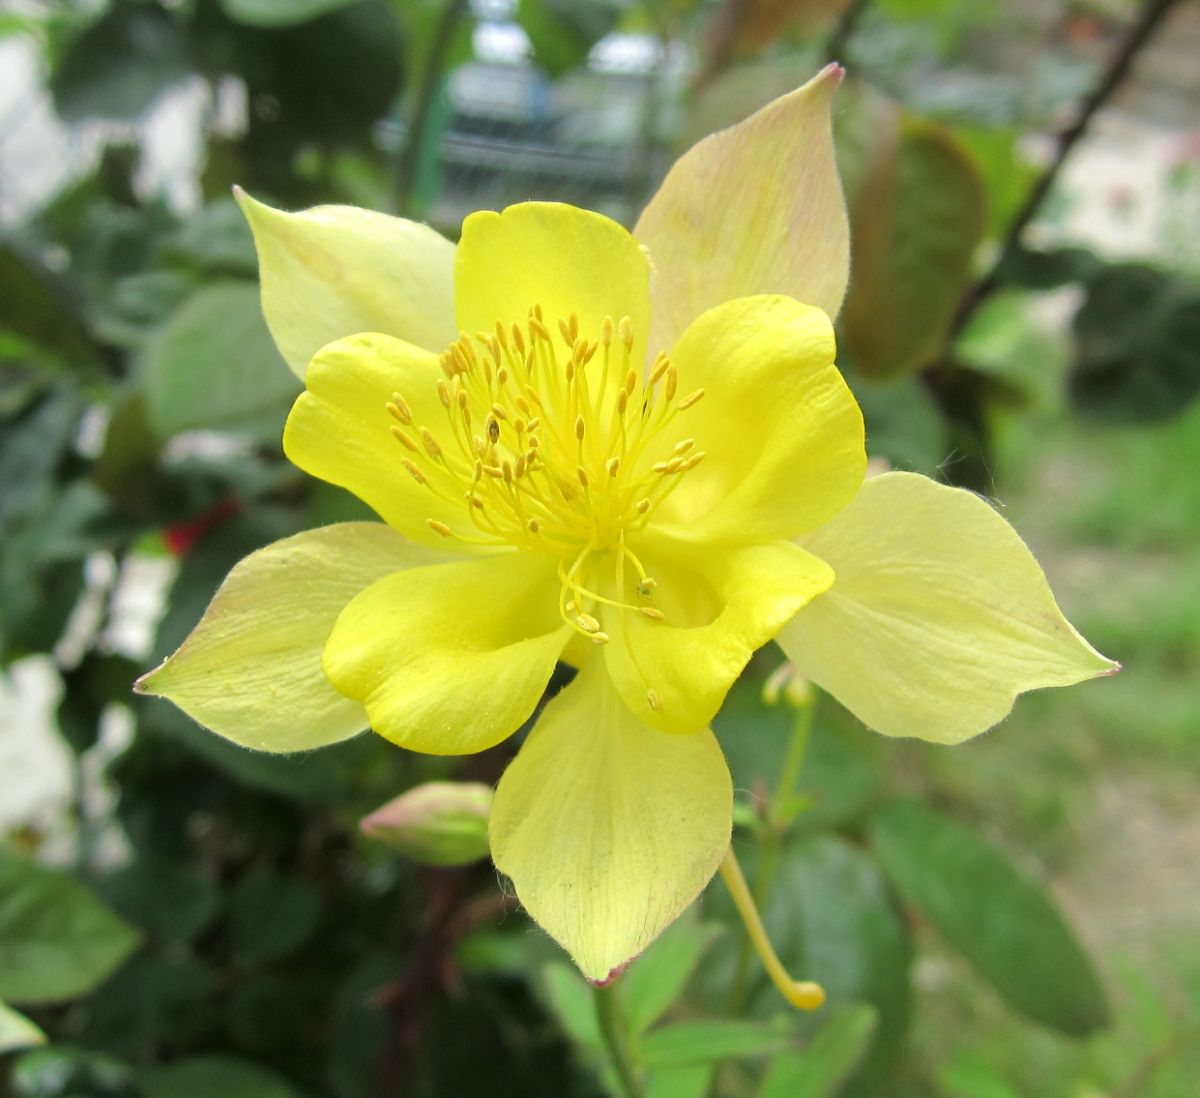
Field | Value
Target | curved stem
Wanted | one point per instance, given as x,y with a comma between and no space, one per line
615,1030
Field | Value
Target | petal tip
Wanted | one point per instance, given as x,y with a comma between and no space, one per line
835,72
613,974
1114,667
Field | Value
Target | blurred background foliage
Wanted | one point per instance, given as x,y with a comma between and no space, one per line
179,918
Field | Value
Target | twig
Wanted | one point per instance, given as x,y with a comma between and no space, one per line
615,1030
1110,80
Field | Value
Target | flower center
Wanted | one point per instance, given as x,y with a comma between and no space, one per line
557,446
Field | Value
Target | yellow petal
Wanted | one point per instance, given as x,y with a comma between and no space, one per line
782,433
453,658
341,431
562,258
333,271
719,606
609,829
754,209
939,616
251,670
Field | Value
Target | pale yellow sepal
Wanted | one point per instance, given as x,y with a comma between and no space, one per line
781,432
340,430
756,208
451,659
251,669
609,829
332,271
939,616
719,604
561,258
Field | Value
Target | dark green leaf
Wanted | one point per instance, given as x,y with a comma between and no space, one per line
920,220
64,1072
171,901
271,916
137,304
32,448
214,1077
1137,345
121,64
1047,270
684,1044
823,1065
563,32
57,940
39,306
1000,920
217,240
214,363
273,13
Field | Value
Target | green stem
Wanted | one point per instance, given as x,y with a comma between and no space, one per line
615,1030
768,860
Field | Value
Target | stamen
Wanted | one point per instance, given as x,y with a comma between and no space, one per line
439,528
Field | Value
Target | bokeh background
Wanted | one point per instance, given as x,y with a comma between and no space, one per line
181,918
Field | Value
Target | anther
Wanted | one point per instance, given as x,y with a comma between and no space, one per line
439,528
587,622
690,399
658,369
651,613
493,430
606,331
645,589
600,638
414,472
684,446
518,339
631,381
695,460
574,327
613,465
642,506
580,428
672,382
443,392
652,699
627,333
501,337
581,473
564,330
404,438
532,526
431,443
400,409
499,412
494,471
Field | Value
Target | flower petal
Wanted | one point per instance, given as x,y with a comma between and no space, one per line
754,209
340,430
781,430
251,670
720,605
451,659
333,271
609,829
939,616
562,258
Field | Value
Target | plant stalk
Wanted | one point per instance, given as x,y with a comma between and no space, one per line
615,1030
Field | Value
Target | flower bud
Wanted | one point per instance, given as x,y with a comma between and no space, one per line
786,684
439,823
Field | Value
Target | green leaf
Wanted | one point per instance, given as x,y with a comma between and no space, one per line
57,940
272,13
17,1031
680,1082
171,901
1002,922
212,1076
121,64
214,364
563,32
64,1072
684,1044
832,920
218,240
656,978
1031,269
134,306
920,220
271,916
1137,339
39,305
572,1002
823,1065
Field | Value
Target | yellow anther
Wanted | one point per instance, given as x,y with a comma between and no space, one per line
645,589
501,376
507,469
431,443
404,438
523,405
574,327
581,473
690,399
658,369
478,471
464,401
533,526
519,469
684,445
580,428
494,471
631,381
652,699
533,395
613,465
537,312
439,528
494,347
622,402
537,330
579,353
627,333
642,506
672,382
467,349
587,622
400,409
564,329
518,338
651,613
695,460
600,638
493,430
606,331
414,472
501,336
499,412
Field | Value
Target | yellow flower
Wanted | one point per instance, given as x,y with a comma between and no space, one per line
632,452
